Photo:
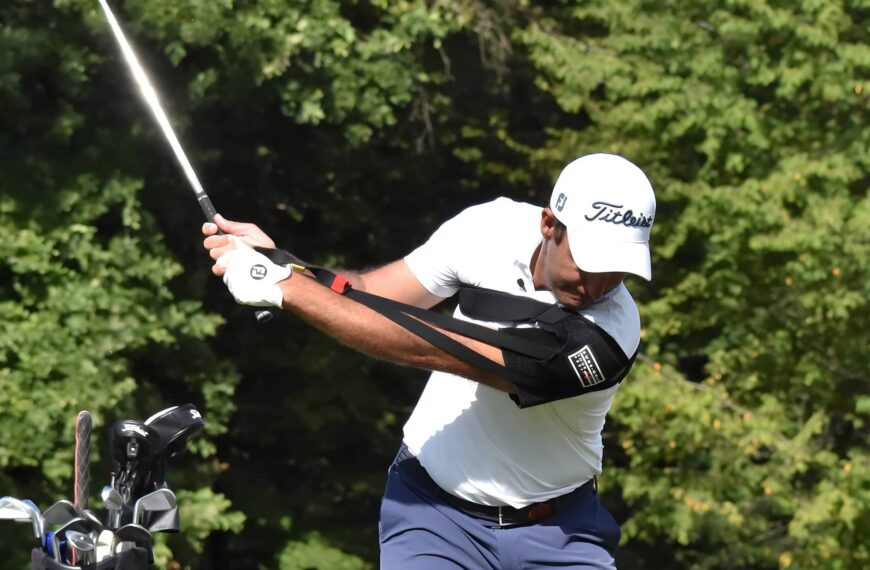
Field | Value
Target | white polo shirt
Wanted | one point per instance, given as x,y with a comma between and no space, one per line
472,439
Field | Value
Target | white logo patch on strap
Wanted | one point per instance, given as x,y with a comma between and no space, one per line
586,367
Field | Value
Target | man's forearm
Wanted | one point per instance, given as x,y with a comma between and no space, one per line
369,332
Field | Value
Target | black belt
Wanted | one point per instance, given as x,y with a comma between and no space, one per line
504,516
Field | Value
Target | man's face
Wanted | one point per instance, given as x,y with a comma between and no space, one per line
556,271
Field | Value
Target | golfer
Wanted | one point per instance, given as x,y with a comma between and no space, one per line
493,472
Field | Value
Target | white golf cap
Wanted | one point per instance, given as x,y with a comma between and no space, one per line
608,205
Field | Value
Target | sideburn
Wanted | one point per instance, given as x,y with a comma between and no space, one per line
559,232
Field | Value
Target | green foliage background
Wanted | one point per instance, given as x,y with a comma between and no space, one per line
349,130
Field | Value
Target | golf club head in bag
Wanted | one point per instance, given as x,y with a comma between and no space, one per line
162,521
23,511
133,446
175,426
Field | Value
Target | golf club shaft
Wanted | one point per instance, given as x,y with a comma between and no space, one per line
153,102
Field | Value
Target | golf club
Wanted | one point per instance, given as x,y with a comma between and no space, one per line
13,514
26,512
36,516
114,503
103,545
132,445
159,500
60,512
84,425
78,524
175,426
82,547
130,533
10,511
153,102
96,524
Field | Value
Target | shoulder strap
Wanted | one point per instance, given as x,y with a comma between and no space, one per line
435,337
490,336
392,309
476,302
491,305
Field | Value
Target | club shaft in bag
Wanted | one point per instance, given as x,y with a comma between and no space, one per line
153,102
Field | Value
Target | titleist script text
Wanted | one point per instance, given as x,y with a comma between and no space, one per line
606,212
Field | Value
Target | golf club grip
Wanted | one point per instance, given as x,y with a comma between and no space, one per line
262,315
84,425
207,207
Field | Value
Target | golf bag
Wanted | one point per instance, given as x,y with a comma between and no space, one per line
134,559
138,499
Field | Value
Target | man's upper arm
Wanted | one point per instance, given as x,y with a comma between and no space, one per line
588,360
396,281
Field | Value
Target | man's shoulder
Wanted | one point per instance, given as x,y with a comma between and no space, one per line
619,316
502,222
500,209
502,206
480,244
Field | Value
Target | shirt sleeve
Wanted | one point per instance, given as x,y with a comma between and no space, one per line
438,263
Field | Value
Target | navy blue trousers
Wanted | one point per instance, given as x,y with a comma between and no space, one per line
418,531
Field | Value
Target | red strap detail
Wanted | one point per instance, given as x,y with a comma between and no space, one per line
340,284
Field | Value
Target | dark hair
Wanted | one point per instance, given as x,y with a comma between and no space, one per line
559,231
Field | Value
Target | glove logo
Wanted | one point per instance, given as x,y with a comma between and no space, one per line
258,272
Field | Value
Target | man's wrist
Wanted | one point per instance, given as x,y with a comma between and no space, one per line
286,290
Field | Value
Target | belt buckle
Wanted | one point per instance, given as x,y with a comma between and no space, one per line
500,517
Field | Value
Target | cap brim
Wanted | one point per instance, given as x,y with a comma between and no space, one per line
605,256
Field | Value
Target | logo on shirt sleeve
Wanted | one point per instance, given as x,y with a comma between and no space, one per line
586,367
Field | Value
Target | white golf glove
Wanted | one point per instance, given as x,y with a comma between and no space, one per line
252,278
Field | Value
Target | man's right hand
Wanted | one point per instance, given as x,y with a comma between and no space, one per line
219,244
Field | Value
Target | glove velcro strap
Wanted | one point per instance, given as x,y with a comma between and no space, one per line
279,256
338,283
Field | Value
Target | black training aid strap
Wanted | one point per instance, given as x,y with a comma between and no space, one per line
565,356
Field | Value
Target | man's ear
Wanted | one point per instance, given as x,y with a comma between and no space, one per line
548,223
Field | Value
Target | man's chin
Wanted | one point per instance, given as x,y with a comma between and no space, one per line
574,303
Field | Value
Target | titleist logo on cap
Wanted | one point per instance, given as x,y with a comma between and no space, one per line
612,213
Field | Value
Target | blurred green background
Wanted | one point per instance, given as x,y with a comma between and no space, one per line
349,130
